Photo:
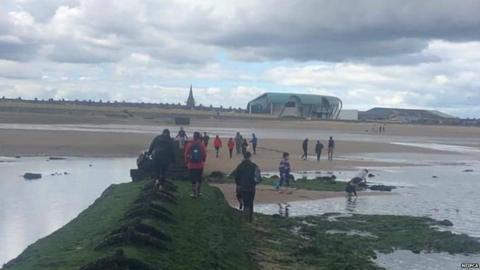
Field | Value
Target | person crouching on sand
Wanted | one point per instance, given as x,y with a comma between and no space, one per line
247,176
359,179
284,170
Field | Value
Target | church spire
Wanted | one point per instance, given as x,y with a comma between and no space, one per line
190,100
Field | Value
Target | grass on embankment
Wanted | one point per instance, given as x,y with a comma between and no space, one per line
206,234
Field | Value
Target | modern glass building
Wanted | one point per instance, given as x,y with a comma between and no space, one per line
296,105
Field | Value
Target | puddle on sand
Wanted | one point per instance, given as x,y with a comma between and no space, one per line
404,259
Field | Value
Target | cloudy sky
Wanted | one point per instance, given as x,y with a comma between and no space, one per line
405,53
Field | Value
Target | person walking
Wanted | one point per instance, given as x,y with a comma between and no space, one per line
331,148
195,158
284,171
182,138
231,145
205,139
305,149
162,153
244,146
318,150
247,176
238,143
254,142
217,143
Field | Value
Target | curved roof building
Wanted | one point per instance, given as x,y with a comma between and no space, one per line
296,105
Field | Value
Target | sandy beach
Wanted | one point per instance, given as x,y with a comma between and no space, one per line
266,194
16,142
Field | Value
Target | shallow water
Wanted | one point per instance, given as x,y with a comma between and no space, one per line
33,209
452,195
404,259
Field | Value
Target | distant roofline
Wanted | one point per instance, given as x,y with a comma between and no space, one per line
436,112
293,94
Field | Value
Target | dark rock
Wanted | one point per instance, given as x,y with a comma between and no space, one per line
381,188
370,175
56,158
32,176
445,222
434,176
18,157
468,170
65,173
326,178
217,175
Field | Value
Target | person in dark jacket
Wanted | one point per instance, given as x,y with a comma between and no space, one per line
254,142
162,154
305,149
205,139
247,175
331,148
318,150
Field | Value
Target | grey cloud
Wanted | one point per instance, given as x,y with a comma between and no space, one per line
336,30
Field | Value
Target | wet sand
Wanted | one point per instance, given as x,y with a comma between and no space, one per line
15,142
266,194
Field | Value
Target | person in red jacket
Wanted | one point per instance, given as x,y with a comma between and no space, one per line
195,157
231,146
217,143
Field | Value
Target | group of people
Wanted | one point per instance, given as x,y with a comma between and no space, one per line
247,174
319,148
379,128
162,153
239,143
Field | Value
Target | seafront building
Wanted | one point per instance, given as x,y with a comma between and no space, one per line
296,106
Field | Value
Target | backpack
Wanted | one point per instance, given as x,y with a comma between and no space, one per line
195,153
162,152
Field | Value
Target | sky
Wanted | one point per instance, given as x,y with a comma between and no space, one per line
398,53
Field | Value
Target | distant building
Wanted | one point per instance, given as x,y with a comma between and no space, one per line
296,105
350,115
190,100
405,115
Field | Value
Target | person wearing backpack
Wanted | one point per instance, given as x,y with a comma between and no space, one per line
247,176
195,157
231,146
162,154
217,143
